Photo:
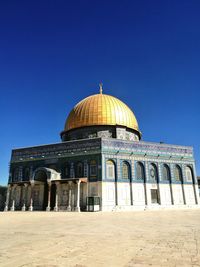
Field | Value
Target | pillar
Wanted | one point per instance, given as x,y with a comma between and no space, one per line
56,199
78,196
31,198
171,183
146,185
49,196
7,198
69,198
13,198
24,197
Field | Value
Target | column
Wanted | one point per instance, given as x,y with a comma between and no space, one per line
78,196
24,197
117,176
146,185
69,199
31,198
7,198
159,186
49,196
171,181
56,199
13,198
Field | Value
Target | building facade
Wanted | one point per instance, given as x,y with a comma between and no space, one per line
101,154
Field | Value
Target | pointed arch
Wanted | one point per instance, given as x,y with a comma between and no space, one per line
140,171
126,170
110,169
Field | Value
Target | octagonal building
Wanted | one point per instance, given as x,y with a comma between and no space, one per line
101,160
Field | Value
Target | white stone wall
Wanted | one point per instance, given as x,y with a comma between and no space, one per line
108,195
123,194
165,194
138,194
177,194
189,194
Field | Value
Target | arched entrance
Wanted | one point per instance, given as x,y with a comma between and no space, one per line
45,187
41,176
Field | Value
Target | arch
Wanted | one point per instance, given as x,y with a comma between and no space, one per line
178,174
189,174
140,171
110,169
153,172
39,174
126,171
165,173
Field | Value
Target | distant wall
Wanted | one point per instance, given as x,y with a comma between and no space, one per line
3,190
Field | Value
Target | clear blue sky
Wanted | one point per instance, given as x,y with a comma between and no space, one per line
54,53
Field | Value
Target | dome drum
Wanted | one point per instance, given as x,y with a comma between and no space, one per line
106,131
101,115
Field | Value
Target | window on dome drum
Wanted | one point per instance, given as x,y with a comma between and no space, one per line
110,169
188,174
125,170
165,173
140,174
178,174
93,168
153,172
79,170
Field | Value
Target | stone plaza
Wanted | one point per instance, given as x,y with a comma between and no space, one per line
142,238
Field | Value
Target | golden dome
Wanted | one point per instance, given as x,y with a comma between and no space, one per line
101,109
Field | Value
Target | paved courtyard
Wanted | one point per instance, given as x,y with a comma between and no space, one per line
150,238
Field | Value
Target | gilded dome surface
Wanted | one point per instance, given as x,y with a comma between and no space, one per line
101,109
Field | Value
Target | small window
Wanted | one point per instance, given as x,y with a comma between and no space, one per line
153,172
188,174
165,173
110,169
16,175
125,170
178,174
93,168
79,169
26,174
140,171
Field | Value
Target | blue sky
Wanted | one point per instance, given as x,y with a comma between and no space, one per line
54,53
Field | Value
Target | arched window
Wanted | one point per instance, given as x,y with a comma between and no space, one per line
125,170
26,174
15,174
140,174
178,174
66,171
153,173
93,168
165,173
79,170
110,169
188,174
